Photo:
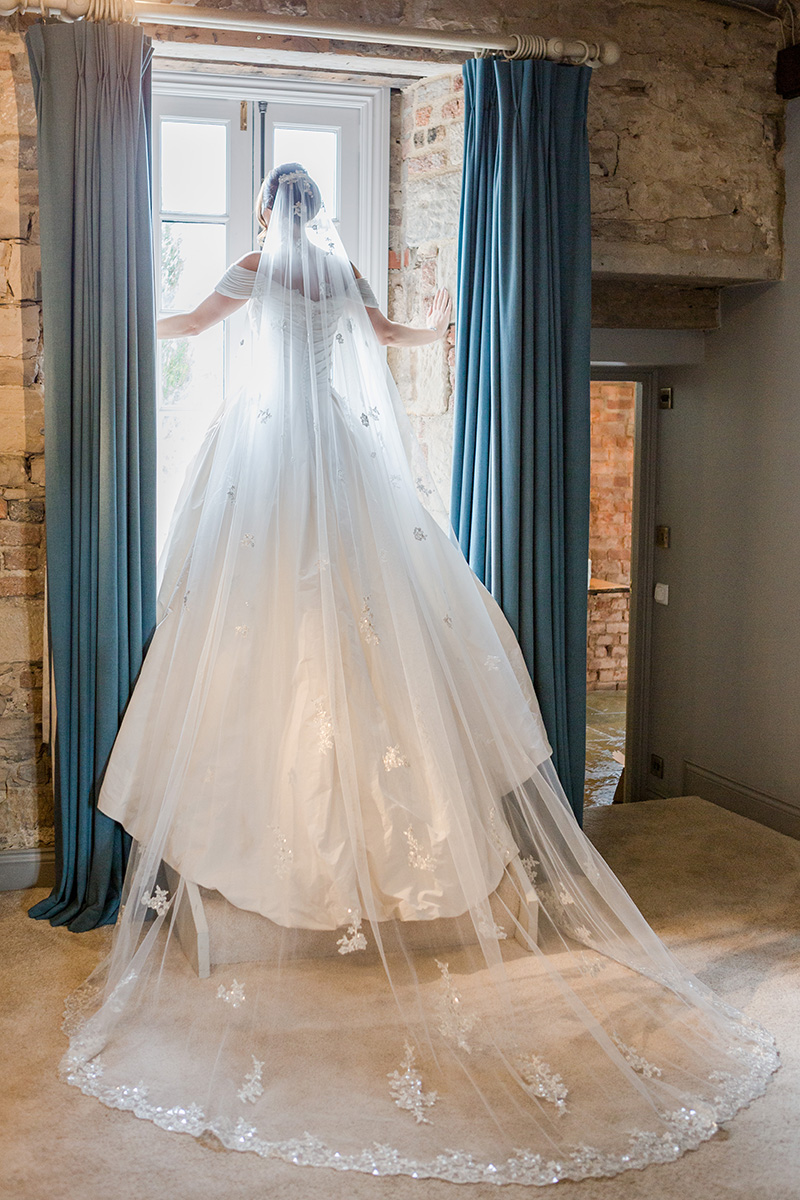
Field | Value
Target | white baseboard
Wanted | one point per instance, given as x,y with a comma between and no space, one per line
758,806
26,869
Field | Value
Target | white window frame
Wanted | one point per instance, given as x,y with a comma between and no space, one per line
192,96
372,105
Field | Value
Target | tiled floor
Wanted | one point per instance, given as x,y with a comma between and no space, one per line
605,732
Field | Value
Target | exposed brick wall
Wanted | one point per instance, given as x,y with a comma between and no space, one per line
26,810
613,406
607,643
612,480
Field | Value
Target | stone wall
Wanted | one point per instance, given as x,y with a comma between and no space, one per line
685,136
26,816
427,151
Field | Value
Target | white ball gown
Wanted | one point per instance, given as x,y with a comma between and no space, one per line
360,928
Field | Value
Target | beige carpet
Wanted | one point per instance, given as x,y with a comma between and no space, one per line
721,890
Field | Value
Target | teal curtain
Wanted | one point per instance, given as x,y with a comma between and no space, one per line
92,89
520,499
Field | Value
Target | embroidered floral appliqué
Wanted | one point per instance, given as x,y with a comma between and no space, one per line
417,858
354,939
248,540
264,415
116,1000
492,662
252,1087
159,901
231,493
488,927
366,626
324,724
234,995
242,630
496,837
590,967
420,534
529,865
282,854
393,758
405,1087
541,1080
454,1023
634,1060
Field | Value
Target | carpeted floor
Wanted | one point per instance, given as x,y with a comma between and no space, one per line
721,890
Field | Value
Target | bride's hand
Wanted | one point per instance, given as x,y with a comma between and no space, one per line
438,317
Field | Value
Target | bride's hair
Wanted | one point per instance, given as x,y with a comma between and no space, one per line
269,190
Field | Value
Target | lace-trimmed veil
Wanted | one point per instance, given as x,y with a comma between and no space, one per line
361,928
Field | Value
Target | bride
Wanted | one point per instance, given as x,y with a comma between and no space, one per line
360,926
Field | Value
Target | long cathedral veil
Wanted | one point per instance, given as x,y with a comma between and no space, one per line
361,928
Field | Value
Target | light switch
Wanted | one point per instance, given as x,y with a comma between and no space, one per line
661,593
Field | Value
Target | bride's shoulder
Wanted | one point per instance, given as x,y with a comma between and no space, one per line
249,262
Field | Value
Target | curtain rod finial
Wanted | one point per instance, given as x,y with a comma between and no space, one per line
610,54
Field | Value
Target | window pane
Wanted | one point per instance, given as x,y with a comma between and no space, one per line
193,167
316,149
191,390
192,261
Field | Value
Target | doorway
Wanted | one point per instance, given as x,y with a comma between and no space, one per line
624,406
613,414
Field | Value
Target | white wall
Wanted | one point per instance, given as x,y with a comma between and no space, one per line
726,652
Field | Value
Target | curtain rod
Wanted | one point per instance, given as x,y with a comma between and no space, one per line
515,45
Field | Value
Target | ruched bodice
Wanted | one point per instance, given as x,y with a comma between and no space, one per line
305,330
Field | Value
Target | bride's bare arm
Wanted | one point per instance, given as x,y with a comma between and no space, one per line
390,333
209,312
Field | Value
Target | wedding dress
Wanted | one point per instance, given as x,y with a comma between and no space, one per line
338,781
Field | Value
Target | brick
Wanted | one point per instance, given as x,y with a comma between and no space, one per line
14,534
453,110
22,585
26,510
423,115
425,163
24,559
12,470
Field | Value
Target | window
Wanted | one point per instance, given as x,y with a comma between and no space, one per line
213,140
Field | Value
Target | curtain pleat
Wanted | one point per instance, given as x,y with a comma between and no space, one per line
520,499
92,88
